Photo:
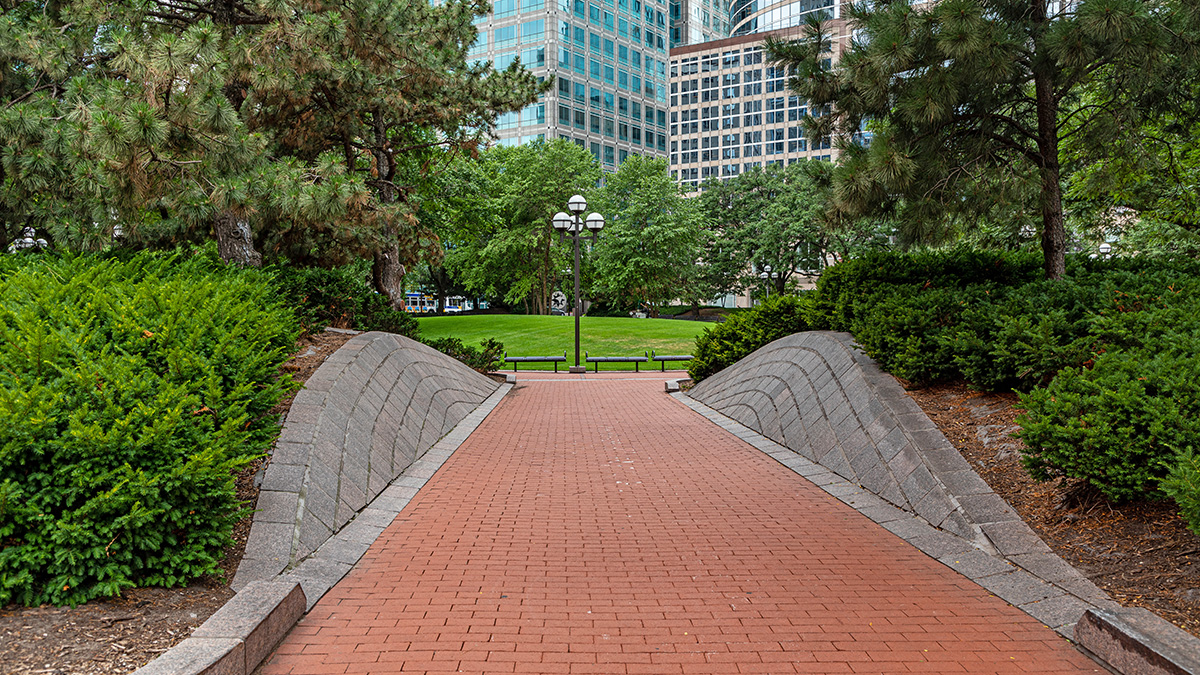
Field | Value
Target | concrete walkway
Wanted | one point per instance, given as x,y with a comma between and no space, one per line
596,525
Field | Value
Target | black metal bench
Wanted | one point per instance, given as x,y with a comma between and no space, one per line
635,360
663,358
535,359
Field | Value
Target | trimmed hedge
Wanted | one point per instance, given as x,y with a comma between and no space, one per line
722,345
132,391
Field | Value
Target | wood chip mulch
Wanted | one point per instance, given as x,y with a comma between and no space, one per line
1140,553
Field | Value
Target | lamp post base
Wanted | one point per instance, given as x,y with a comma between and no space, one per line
577,369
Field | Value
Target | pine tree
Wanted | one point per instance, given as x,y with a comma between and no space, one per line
965,93
296,128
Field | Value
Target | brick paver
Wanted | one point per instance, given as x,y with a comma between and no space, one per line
600,526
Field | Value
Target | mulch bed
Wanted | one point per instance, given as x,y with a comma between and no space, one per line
1140,553
119,635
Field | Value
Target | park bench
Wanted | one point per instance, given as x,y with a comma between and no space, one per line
535,359
635,360
663,358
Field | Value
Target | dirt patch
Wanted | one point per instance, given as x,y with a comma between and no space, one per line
1140,553
120,635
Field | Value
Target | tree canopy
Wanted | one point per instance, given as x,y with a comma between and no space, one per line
295,129
649,249
964,94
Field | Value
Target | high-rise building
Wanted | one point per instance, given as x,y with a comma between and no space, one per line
609,60
696,21
760,16
731,111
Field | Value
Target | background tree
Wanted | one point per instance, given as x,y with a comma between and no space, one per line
651,241
780,216
966,87
512,254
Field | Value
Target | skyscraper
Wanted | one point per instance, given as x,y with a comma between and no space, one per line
609,60
695,21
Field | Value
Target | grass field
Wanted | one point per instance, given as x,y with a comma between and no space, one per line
551,335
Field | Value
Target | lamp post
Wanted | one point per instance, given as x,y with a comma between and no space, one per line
572,225
767,274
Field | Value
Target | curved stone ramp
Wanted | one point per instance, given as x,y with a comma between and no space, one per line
818,395
370,412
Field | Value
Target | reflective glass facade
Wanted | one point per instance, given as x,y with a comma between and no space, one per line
757,16
609,60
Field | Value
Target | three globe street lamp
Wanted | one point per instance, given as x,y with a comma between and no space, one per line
572,225
768,274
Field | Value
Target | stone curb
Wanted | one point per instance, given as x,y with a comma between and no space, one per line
1050,591
1135,641
243,633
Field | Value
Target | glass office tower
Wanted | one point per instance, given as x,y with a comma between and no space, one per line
609,61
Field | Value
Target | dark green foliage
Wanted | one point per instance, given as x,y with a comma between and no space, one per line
1183,485
1118,424
132,391
341,297
483,359
722,345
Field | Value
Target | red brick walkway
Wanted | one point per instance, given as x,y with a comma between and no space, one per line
600,526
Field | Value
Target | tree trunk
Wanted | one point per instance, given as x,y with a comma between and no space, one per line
1054,239
234,242
387,274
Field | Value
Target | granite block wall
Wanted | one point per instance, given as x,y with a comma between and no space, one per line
371,410
817,394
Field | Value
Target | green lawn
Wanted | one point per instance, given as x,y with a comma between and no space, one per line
549,335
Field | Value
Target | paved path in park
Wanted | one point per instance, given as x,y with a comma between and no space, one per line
597,525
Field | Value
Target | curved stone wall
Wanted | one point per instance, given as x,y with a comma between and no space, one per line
368,413
816,394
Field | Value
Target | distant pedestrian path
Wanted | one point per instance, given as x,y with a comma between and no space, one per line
596,525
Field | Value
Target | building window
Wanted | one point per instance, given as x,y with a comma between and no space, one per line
608,127
594,124
623,106
507,121
534,58
623,131
564,88
594,14
608,101
609,155
595,148
595,98
564,115
580,119
506,36
531,5
503,8
580,92
636,135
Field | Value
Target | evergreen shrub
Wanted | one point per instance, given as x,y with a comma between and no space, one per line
132,391
341,297
723,344
1118,424
485,358
1183,485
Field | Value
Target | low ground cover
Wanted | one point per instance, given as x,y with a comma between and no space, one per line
133,391
552,335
